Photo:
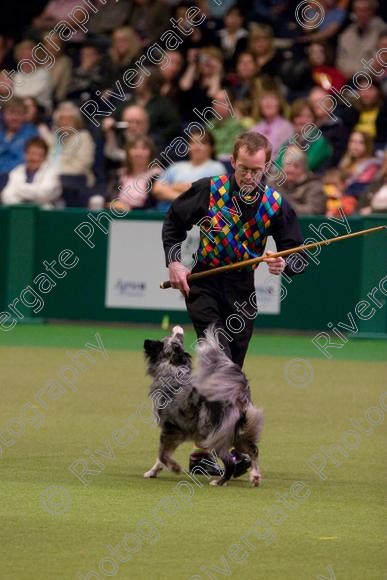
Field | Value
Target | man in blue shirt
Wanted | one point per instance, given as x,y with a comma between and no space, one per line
14,134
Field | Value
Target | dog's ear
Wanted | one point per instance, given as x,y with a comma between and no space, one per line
152,348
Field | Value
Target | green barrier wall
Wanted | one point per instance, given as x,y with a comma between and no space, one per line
325,293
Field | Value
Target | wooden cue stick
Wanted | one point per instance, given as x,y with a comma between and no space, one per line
251,261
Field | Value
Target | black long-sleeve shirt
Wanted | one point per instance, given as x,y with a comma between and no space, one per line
192,206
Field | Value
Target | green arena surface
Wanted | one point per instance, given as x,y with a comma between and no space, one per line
301,523
270,343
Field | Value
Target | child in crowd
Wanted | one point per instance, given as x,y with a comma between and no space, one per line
334,189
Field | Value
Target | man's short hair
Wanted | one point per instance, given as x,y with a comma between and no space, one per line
253,142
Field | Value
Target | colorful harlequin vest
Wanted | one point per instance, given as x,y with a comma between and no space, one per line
224,237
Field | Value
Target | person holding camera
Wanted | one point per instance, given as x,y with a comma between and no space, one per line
201,80
134,123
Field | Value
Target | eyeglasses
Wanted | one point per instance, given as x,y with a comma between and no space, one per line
256,174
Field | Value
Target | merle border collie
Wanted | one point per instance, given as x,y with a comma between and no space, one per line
209,405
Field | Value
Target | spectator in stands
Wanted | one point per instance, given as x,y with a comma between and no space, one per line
368,105
332,129
334,189
138,181
32,84
208,28
378,203
6,85
279,14
134,123
124,50
110,16
337,201
73,148
261,45
359,165
170,76
54,12
295,73
6,58
323,73
217,10
381,128
374,199
273,124
201,80
179,176
317,149
243,109
203,35
302,189
225,130
242,82
61,71
164,119
382,71
360,40
14,134
34,181
89,77
233,37
329,21
149,18
36,116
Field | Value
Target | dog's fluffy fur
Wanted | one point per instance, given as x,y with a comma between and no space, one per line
210,406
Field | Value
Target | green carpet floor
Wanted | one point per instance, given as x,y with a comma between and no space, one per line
330,524
132,338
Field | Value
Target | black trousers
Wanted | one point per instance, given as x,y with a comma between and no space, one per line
216,300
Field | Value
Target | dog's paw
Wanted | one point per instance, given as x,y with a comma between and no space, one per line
150,473
176,468
255,479
218,482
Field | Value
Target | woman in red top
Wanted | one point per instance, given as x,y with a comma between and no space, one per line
324,74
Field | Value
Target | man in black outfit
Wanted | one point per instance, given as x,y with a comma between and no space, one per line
235,215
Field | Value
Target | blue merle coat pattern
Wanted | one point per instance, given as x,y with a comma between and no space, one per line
209,405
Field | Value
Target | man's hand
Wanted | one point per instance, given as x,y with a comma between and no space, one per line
108,124
178,277
276,265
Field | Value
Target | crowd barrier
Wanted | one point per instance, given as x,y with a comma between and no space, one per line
77,265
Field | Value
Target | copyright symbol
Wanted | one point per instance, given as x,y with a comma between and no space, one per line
175,255
309,14
55,499
67,140
298,373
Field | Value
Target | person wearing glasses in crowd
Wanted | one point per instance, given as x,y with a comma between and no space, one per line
235,214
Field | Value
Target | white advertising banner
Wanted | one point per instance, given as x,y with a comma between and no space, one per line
136,266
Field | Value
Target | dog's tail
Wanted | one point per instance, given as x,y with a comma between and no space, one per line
234,427
253,425
209,344
218,378
222,436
